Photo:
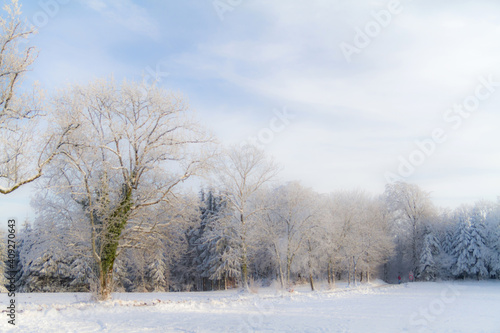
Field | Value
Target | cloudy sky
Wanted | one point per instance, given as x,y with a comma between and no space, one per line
345,94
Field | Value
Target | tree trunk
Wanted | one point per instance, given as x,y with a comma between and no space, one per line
328,275
386,272
349,274
113,228
354,270
288,269
244,274
244,259
333,274
280,266
310,265
106,285
281,277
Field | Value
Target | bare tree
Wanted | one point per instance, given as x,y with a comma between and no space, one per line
340,208
356,234
287,224
125,162
410,208
26,145
241,174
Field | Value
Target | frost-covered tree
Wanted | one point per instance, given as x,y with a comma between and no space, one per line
223,248
27,144
480,255
3,260
493,239
339,209
447,243
145,267
55,247
157,269
494,242
81,272
124,162
201,243
376,236
137,264
286,225
44,259
472,254
429,267
241,174
461,254
357,237
410,208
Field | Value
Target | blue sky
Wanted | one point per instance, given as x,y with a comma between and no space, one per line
354,117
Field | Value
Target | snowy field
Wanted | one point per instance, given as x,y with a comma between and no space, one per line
416,307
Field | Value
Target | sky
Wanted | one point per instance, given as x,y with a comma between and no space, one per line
344,94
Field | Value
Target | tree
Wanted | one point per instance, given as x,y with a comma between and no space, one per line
3,259
286,225
339,208
410,208
358,233
201,259
124,162
480,255
223,260
428,269
25,150
471,254
44,258
241,173
157,269
461,244
375,236
493,239
495,252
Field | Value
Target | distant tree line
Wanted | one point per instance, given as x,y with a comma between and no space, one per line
293,235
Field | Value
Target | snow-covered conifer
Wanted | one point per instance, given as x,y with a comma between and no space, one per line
479,253
462,256
428,268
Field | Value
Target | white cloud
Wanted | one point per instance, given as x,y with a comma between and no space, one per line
429,58
97,5
127,14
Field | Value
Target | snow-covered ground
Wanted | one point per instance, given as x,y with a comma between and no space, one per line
415,307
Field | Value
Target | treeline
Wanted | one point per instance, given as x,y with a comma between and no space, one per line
289,234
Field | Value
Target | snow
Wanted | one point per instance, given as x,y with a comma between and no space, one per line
466,306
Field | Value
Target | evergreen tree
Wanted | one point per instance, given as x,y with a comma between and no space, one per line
494,241
461,254
222,256
198,262
81,273
21,254
224,261
428,268
3,259
197,251
479,253
157,269
137,267
45,258
447,242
